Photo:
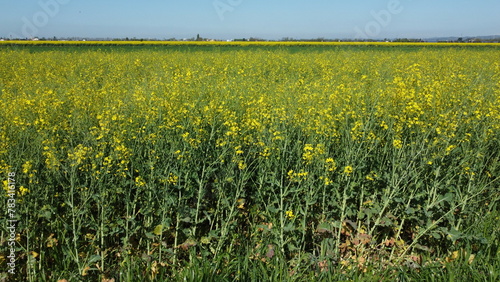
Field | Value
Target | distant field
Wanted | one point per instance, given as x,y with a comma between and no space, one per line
235,43
286,162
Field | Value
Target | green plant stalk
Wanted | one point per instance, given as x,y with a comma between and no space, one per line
390,195
384,207
103,254
304,224
198,202
361,201
464,204
29,267
177,226
283,193
42,258
342,217
164,215
432,193
282,220
130,208
73,219
323,205
434,224
127,236
224,227
401,225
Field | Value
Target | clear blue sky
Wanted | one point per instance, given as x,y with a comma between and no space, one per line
268,19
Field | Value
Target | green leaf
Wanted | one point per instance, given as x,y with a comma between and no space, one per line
186,219
120,222
94,258
449,197
385,221
272,209
361,213
292,247
311,202
410,210
289,227
350,212
47,214
324,227
436,235
454,234
214,234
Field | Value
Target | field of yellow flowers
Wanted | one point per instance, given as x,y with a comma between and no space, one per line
272,162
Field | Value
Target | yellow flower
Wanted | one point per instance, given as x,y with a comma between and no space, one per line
139,181
372,176
79,154
297,176
330,164
238,151
6,186
23,190
242,165
348,170
265,153
172,179
326,180
290,214
307,156
450,148
398,144
27,167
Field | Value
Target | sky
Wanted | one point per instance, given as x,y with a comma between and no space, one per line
266,19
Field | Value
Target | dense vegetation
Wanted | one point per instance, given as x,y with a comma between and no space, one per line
237,163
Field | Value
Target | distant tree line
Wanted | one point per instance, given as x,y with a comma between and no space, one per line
284,39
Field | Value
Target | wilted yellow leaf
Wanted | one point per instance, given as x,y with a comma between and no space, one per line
471,258
84,271
158,229
51,241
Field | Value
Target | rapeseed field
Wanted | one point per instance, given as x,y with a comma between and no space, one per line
274,163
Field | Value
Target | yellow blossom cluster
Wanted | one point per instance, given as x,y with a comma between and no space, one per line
89,115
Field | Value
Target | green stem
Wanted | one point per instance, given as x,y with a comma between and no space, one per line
103,255
73,218
342,217
198,203
177,226
282,220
